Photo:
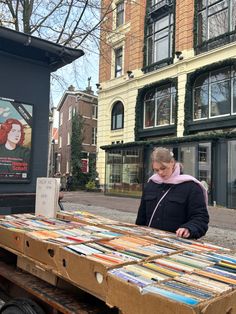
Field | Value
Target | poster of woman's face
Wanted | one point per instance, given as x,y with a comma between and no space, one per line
15,141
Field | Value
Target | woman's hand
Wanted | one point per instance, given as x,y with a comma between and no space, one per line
183,233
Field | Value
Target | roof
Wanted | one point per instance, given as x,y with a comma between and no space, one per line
36,49
74,93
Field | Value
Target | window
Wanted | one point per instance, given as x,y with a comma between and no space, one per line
60,142
124,171
68,138
214,94
118,62
61,118
95,111
204,164
202,154
159,34
120,14
70,113
215,19
94,136
159,107
67,166
117,116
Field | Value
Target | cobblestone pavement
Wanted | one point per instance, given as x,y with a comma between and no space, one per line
222,227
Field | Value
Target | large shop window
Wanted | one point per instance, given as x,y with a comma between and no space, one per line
159,107
197,161
124,171
117,116
214,94
215,23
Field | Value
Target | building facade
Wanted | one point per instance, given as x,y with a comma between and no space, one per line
168,78
85,104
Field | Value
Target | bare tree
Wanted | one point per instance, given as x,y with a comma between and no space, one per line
66,22
72,23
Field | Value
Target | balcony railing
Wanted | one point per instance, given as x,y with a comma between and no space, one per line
160,5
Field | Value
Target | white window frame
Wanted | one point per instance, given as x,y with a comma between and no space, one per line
68,138
61,118
94,136
70,112
67,166
120,12
95,111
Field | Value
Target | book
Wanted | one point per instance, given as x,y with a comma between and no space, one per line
170,295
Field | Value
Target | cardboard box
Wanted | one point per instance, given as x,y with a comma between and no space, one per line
129,300
41,250
37,270
13,239
85,273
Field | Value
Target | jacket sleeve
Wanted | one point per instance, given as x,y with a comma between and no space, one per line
141,217
197,213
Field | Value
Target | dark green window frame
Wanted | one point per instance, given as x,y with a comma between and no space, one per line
215,23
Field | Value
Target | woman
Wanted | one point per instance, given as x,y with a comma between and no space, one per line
14,157
172,201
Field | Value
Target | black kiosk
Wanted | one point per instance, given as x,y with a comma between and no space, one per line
26,63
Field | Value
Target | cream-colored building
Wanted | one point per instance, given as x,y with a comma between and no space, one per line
168,78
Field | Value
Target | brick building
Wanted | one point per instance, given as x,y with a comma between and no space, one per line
168,78
85,104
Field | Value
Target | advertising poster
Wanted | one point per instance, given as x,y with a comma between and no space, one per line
15,141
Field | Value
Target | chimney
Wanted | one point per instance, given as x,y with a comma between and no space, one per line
89,88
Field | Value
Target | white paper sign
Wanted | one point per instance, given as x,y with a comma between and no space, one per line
47,195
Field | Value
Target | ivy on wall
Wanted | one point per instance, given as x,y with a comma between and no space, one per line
195,24
211,136
189,88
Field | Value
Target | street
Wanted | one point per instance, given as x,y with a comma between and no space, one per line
222,227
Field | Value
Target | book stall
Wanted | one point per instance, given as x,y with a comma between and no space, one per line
135,269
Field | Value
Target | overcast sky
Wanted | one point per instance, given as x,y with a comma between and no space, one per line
75,74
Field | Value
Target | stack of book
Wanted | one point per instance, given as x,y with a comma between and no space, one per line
81,234
55,230
179,292
65,236
194,245
150,261
85,217
121,249
187,277
29,222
